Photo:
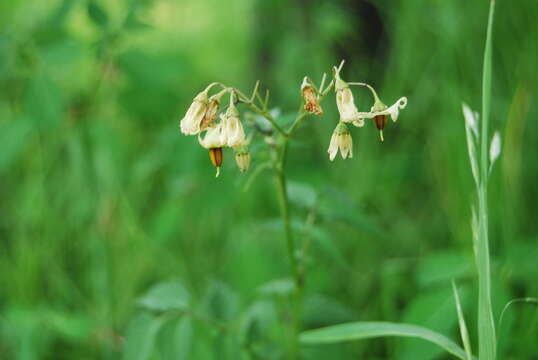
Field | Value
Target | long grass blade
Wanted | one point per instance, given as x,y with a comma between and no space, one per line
463,327
486,326
374,329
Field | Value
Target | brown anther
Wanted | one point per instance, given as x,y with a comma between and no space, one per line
380,121
215,155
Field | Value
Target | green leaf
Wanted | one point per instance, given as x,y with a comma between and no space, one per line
166,296
463,327
97,14
141,335
368,330
175,339
486,325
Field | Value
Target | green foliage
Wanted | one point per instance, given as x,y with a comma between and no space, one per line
102,200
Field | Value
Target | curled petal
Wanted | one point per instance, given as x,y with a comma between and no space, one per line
393,110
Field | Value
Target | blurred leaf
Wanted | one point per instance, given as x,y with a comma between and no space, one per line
166,296
441,267
368,330
222,303
44,102
140,336
336,205
97,14
13,140
301,194
433,309
175,339
320,310
256,321
280,287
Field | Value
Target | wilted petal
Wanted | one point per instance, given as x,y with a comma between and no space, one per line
393,110
190,124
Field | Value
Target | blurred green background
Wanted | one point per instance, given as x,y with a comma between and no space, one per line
102,199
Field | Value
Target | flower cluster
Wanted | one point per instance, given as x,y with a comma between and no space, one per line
225,132
218,129
379,112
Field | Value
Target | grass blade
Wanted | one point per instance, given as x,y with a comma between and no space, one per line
463,327
486,326
367,330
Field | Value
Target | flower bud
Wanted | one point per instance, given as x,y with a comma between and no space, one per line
311,102
242,158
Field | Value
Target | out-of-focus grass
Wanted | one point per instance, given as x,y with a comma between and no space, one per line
101,198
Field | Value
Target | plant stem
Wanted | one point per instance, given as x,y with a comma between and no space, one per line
486,326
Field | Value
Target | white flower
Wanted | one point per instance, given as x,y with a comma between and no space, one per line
214,137
190,124
341,140
345,102
232,127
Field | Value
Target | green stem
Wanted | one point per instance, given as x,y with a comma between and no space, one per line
486,326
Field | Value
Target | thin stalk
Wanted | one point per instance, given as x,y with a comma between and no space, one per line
486,326
282,193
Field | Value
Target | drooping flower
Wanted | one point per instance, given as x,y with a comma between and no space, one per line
190,124
242,158
380,111
214,140
311,101
232,127
341,140
345,102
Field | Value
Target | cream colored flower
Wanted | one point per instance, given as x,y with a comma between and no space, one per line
380,111
190,124
341,140
214,140
311,101
345,102
214,137
232,128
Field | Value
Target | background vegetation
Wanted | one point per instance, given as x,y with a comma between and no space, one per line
102,199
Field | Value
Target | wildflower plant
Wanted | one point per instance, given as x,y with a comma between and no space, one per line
220,125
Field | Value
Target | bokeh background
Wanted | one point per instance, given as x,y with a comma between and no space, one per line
101,197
